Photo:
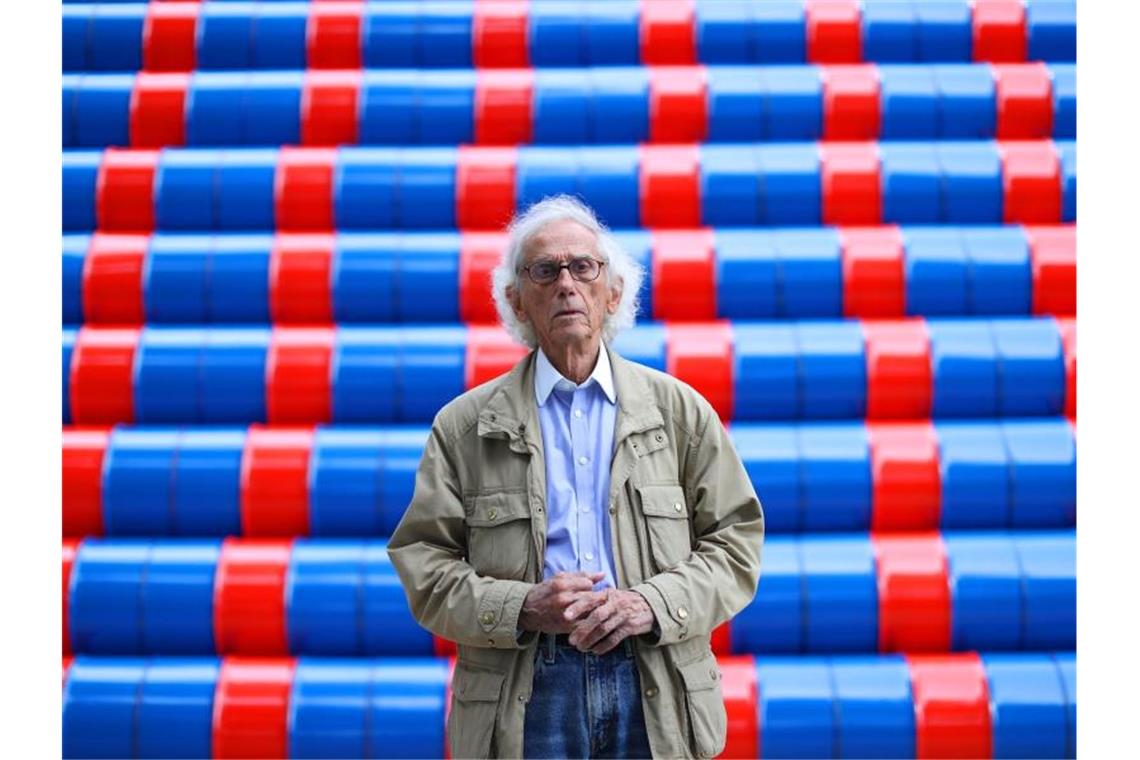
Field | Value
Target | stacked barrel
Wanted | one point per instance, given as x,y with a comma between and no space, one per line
858,225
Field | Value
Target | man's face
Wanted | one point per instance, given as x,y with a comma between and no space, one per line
565,311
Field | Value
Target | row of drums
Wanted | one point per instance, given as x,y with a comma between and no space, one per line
849,706
334,481
432,34
444,277
570,107
916,591
877,369
301,189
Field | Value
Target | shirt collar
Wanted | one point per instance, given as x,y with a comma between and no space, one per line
546,377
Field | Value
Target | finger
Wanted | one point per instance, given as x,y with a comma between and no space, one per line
615,637
583,604
584,633
607,627
577,581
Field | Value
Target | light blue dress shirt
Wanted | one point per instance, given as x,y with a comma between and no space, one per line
577,424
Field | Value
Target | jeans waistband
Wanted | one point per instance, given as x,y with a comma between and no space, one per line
548,642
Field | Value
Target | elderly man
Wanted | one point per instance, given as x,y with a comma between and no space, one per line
579,525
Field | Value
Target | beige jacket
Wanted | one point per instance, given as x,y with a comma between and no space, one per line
687,530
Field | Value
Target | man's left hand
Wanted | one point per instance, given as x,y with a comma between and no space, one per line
624,613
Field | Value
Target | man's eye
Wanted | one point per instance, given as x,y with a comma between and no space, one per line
581,266
545,269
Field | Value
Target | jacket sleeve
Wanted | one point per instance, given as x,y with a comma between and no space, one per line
428,550
720,576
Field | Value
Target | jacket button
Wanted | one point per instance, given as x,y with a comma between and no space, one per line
490,642
651,692
522,698
682,613
677,506
492,513
660,438
487,618
714,673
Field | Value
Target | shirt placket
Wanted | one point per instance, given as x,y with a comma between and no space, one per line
588,549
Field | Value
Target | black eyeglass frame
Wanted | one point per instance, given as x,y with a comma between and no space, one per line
564,265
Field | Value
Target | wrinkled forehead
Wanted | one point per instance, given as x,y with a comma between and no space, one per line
561,239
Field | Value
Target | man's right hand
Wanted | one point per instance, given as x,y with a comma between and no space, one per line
544,608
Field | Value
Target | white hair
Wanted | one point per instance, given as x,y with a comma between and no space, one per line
620,266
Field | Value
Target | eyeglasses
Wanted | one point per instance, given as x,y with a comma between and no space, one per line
582,269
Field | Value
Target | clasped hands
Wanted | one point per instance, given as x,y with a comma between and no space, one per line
597,621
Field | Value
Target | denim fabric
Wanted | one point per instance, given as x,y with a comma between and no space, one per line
585,705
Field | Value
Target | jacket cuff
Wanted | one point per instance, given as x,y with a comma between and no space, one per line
672,616
498,615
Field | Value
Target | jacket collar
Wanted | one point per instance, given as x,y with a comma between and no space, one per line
513,410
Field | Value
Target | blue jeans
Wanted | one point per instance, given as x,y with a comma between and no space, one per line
584,705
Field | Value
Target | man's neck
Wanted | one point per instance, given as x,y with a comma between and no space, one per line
574,361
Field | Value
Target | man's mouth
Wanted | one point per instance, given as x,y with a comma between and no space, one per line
565,313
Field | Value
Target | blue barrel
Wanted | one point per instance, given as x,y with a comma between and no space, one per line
1031,367
797,710
985,591
279,35
1064,78
389,627
364,276
328,709
639,245
889,31
874,706
780,36
1066,663
68,109
908,97
176,279
115,37
176,707
963,360
747,278
609,182
1051,26
793,110
764,371
971,183
542,172
74,257
428,278
1027,706
323,597
400,452
911,181
936,272
1001,276
644,344
967,100
945,30
215,109
1049,585
1068,151
80,173
1043,472
791,181
736,97
445,111
166,375
76,20
185,189
975,475
345,491
237,286
232,375
556,34
178,597
365,375
136,481
730,185
431,372
833,372
425,195
387,108
612,33
773,621
836,476
725,32
100,699
69,336
811,272
620,109
560,110
406,713
244,191
842,606
207,482
771,457
271,115
225,32
102,110
105,603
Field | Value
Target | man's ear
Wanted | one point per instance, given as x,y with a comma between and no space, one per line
615,292
515,300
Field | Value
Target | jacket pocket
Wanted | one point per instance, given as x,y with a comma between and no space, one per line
499,538
704,703
667,522
474,710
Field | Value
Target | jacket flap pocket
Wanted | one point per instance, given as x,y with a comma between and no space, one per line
474,685
663,501
489,510
700,674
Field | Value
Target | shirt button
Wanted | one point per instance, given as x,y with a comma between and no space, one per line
589,556
584,509
578,413
583,460
651,692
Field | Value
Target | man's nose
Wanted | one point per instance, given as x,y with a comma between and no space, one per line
564,282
